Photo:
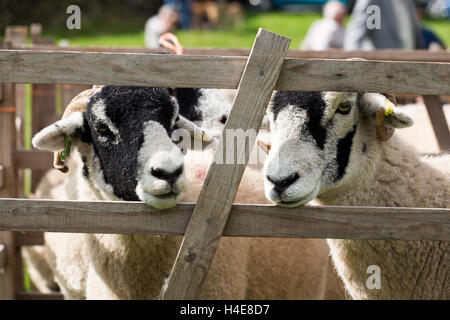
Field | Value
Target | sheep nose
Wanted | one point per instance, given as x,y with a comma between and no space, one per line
282,184
170,177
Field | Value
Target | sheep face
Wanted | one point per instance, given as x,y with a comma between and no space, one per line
123,137
320,139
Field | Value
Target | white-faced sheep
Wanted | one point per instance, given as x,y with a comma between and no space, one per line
124,266
325,145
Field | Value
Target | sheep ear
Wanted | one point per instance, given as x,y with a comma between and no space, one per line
375,103
52,138
195,131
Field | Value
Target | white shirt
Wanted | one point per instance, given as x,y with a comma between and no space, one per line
324,34
153,30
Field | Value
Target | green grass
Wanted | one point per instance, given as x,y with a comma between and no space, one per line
130,32
441,27
294,26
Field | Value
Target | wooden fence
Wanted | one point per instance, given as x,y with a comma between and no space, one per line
255,76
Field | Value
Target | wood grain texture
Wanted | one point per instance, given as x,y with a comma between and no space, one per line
2,256
33,159
7,147
43,114
220,72
244,221
18,35
386,55
222,181
2,176
439,123
7,274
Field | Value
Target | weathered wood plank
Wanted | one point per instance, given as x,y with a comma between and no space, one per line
2,176
437,116
3,255
222,181
8,189
7,274
220,72
43,114
244,221
386,55
17,35
21,295
33,159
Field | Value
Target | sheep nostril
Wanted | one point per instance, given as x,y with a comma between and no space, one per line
282,184
170,177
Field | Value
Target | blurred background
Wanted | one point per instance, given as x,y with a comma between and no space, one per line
220,23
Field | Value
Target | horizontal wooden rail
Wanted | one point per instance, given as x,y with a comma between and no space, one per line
22,66
386,55
33,159
244,221
22,295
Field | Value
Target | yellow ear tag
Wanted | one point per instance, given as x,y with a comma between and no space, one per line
202,137
389,108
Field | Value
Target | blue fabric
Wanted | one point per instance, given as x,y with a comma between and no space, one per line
429,36
184,8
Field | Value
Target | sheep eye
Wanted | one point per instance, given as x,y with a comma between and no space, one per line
344,108
103,129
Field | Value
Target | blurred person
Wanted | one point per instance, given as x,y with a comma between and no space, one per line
184,8
327,33
163,22
398,26
431,40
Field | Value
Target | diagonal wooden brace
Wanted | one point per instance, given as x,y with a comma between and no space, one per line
222,182
437,116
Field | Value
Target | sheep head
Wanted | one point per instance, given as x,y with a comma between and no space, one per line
123,135
322,139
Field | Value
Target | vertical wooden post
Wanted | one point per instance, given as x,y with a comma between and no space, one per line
18,35
219,190
44,111
8,188
437,117
35,32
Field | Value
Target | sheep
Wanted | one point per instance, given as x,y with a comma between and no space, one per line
115,161
74,271
311,274
335,147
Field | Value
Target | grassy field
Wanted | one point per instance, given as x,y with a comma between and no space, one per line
130,33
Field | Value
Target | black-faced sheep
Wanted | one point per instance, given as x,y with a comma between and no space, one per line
124,266
325,145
